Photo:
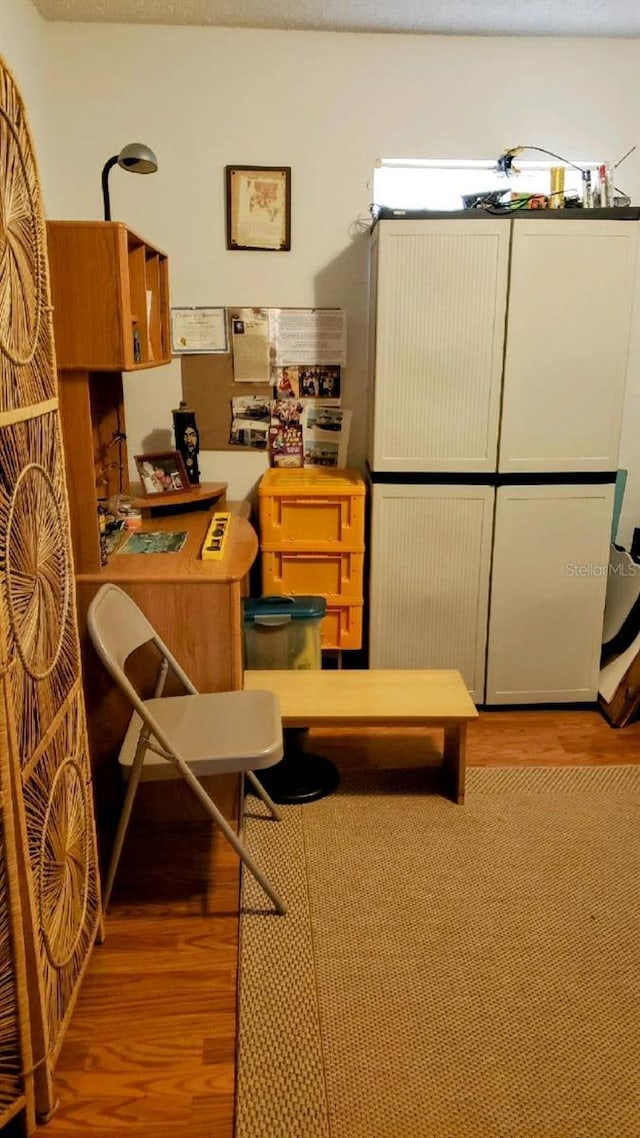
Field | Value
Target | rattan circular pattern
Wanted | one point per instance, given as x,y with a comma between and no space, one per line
37,569
21,262
63,868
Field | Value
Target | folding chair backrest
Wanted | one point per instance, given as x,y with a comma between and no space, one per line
117,627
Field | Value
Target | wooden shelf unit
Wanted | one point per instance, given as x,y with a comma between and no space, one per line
110,296
101,274
202,496
110,291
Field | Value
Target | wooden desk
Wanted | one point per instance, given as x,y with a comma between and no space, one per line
378,698
196,606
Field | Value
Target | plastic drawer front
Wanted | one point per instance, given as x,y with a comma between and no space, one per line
337,575
313,523
342,626
313,509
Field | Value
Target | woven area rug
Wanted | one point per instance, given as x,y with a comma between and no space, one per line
445,971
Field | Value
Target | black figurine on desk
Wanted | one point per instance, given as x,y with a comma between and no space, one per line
187,440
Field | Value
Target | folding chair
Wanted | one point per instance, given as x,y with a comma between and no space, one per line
184,735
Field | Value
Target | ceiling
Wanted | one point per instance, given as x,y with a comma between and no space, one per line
617,18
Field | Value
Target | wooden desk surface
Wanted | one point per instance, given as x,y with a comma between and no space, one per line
373,698
241,548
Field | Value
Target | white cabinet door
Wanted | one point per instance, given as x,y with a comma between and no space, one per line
570,300
438,316
548,584
430,552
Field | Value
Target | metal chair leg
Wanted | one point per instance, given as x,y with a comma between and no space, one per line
123,821
230,835
261,792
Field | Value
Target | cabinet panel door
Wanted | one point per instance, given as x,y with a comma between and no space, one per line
437,342
430,554
570,300
550,563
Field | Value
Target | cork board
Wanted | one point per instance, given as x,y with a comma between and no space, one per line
208,387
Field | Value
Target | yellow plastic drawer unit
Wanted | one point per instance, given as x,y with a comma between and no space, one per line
342,626
312,508
327,575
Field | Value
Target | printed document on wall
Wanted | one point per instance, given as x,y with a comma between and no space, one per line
198,330
250,344
308,336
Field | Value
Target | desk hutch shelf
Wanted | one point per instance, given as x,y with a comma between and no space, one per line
110,294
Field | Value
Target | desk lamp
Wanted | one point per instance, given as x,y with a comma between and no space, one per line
137,158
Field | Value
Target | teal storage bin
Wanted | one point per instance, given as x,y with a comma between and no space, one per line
283,632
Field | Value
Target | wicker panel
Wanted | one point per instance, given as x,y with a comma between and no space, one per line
11,1087
16,1080
62,855
35,577
43,741
25,316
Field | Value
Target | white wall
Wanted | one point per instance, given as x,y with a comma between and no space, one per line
24,45
328,105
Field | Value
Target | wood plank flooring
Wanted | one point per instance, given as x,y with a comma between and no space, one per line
150,1050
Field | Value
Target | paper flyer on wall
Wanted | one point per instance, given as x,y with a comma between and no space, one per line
250,345
250,415
285,433
308,336
325,433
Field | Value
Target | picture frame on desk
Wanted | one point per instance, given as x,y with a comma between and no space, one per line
162,473
258,207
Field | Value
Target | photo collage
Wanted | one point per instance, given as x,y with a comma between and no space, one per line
302,422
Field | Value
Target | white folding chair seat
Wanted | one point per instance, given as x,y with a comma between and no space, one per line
215,733
183,736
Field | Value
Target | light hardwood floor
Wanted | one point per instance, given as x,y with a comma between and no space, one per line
150,1049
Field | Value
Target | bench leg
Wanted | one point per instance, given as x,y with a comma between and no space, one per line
455,739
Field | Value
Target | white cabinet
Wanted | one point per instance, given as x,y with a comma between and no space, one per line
498,357
430,561
549,578
570,300
438,338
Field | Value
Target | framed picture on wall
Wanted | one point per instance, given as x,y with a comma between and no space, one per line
162,473
258,200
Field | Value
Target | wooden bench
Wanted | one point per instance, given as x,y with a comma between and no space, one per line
378,698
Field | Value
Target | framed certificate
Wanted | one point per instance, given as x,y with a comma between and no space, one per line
258,200
198,330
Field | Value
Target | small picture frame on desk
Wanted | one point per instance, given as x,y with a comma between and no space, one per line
258,200
162,473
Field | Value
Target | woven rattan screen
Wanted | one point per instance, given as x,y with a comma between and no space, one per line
16,1081
42,702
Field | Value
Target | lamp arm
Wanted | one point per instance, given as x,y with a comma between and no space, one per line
109,164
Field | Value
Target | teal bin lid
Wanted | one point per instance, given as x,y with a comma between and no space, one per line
281,610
